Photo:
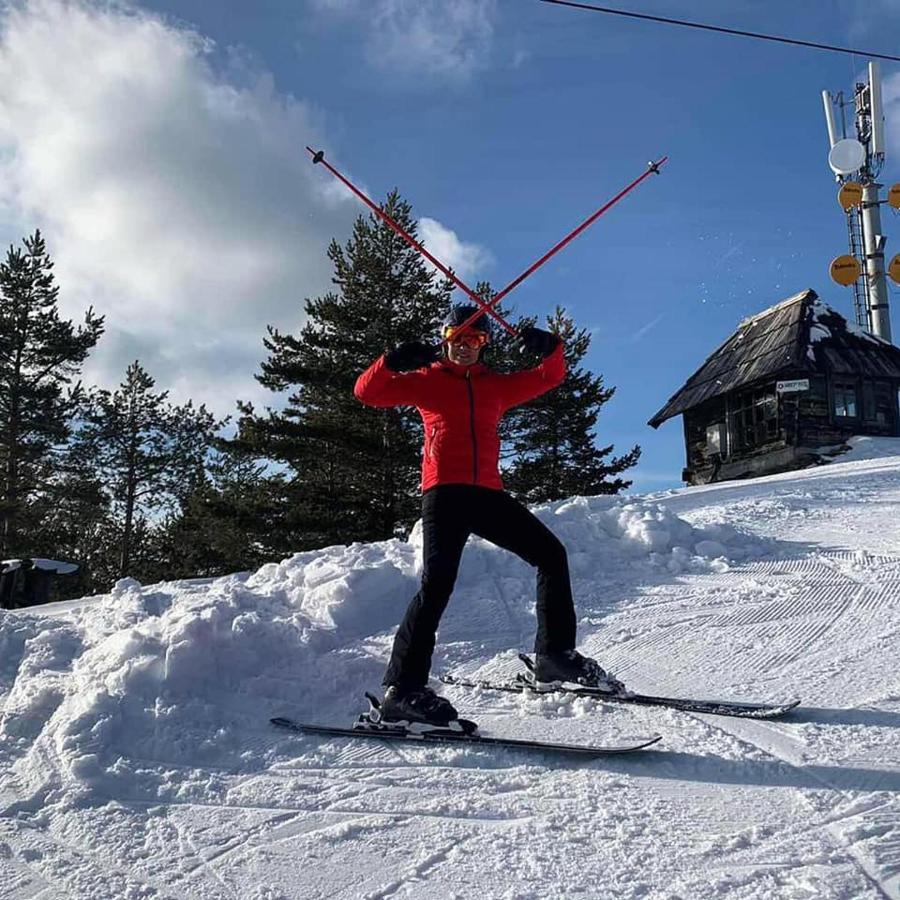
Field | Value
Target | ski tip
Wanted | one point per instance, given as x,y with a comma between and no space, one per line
525,658
625,743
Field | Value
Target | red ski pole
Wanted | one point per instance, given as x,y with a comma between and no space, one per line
319,157
652,169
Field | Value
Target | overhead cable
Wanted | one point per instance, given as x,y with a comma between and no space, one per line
720,30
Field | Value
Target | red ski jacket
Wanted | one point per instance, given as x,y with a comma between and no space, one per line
461,407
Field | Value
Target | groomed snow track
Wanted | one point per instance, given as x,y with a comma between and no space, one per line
136,758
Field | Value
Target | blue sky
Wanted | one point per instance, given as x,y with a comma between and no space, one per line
177,154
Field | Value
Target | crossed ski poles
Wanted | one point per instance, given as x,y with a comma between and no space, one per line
484,306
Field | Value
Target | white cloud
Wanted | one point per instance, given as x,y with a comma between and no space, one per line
448,39
181,205
468,261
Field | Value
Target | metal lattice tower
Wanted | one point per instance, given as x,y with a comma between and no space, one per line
860,286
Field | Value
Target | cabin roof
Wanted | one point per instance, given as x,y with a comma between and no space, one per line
798,336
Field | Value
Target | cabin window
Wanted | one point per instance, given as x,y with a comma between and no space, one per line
845,400
877,402
754,418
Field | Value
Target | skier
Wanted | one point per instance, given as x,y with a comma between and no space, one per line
461,402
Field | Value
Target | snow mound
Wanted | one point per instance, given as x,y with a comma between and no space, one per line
863,447
178,672
628,532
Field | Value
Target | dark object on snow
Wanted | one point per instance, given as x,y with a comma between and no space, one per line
421,705
570,666
28,582
784,392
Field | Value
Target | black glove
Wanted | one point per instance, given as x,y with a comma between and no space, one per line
409,356
536,340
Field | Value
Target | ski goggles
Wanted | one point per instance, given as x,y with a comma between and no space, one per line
470,338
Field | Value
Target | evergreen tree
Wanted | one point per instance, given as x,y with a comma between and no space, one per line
76,522
353,471
149,456
40,355
551,439
229,523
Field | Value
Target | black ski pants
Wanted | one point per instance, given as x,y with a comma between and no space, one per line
450,513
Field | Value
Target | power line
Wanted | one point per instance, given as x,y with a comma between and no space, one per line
750,34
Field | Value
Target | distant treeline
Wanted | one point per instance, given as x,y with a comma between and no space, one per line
128,484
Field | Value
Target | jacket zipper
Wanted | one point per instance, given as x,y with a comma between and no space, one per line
472,424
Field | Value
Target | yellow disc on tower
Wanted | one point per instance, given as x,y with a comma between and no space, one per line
893,269
894,196
845,270
850,195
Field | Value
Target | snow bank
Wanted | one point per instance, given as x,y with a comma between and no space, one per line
612,532
863,447
178,672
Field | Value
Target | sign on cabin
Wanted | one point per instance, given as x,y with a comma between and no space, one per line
789,387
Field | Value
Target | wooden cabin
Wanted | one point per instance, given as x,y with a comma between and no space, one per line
791,383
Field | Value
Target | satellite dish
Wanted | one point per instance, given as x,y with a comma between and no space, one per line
846,157
894,196
850,195
845,270
894,269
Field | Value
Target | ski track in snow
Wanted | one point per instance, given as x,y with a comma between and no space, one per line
136,760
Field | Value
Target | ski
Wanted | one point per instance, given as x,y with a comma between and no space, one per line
369,726
445,735
523,684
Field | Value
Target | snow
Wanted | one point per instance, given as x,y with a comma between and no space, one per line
136,759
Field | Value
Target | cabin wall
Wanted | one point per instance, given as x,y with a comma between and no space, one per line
696,422
807,415
769,432
753,430
845,406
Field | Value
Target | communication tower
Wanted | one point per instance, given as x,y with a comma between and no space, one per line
857,161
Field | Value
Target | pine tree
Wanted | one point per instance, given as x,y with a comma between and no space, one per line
229,523
40,355
76,521
149,455
551,439
353,470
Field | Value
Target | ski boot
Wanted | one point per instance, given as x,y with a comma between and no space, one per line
420,709
569,666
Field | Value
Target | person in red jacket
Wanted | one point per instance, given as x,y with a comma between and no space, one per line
461,402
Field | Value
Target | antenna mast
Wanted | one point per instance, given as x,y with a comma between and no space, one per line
857,163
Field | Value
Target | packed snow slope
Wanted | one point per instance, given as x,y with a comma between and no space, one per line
136,758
